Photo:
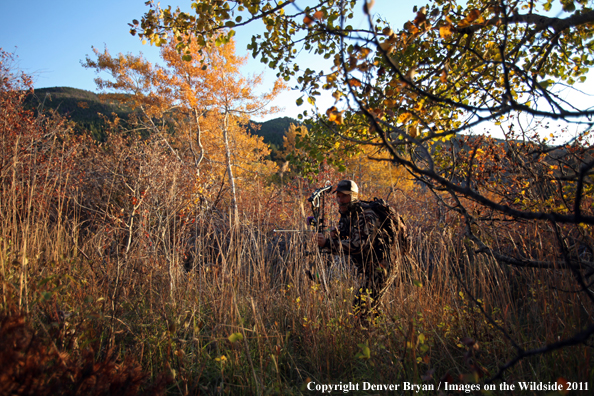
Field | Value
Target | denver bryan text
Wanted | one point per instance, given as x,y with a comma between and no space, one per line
366,386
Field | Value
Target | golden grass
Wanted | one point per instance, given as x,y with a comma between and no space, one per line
94,284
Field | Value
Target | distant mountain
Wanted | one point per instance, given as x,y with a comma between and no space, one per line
273,130
79,105
83,107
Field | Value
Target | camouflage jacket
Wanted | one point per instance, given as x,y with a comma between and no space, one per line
357,231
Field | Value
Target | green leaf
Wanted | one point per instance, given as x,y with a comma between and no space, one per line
545,84
365,352
417,283
568,6
45,296
299,101
235,337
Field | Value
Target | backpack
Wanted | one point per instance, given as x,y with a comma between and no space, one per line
392,230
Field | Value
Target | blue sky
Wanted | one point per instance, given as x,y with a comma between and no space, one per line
51,38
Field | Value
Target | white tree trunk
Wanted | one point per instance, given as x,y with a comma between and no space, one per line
235,220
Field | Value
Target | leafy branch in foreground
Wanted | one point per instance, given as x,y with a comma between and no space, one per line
420,92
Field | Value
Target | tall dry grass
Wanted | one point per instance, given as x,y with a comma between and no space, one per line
107,256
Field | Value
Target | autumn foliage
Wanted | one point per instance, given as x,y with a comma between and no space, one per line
149,262
205,101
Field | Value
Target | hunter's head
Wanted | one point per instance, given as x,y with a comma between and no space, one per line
347,192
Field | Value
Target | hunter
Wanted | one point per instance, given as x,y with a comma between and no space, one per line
357,237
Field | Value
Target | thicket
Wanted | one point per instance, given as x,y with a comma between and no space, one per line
119,278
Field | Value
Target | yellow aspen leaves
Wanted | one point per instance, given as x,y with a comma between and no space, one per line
404,117
411,28
472,16
335,116
390,103
352,62
363,52
387,46
446,31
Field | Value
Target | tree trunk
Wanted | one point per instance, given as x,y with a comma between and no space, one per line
235,219
197,158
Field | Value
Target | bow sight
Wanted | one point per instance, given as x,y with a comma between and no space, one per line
317,201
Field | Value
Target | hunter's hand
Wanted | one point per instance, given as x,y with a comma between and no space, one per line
321,240
333,233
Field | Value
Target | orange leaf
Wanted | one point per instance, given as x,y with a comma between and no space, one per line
390,103
420,18
335,116
443,77
445,31
364,51
331,110
318,15
563,382
402,118
353,82
411,28
308,20
473,15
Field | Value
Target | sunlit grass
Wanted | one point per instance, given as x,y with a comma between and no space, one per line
209,310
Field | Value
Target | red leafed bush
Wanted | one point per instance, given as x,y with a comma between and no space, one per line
32,365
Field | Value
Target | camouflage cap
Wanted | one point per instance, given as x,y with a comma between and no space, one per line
347,187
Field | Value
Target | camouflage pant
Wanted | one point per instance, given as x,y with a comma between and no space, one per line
376,281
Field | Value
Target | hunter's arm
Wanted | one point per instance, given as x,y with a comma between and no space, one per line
361,235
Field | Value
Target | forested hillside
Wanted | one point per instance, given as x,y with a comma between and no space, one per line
82,107
88,110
